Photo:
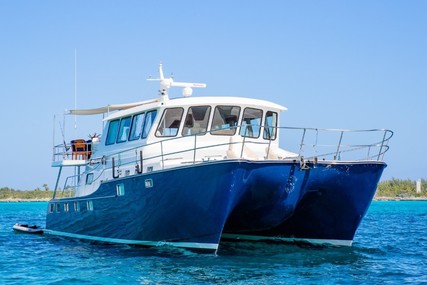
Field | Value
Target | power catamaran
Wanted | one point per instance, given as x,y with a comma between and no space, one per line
188,172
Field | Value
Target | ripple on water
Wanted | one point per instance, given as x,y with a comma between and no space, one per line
390,247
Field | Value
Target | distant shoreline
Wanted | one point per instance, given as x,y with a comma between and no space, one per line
18,200
400,199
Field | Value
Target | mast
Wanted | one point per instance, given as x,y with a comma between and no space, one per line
75,86
166,83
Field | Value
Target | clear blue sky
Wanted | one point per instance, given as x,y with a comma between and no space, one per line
334,64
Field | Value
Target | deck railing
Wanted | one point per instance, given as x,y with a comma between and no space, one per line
337,144
300,144
330,144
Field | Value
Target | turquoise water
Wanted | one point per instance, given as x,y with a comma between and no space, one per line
390,248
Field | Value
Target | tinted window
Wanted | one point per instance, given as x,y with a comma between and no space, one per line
89,178
149,120
170,122
251,123
76,206
196,121
89,205
113,128
270,126
225,120
124,129
137,126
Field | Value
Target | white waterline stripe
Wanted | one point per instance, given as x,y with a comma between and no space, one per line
337,242
212,246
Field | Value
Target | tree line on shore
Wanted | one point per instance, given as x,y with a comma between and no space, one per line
393,188
397,188
7,193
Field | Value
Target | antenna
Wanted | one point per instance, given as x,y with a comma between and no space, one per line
166,83
75,86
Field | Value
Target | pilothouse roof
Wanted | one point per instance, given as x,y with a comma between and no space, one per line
221,100
164,101
201,101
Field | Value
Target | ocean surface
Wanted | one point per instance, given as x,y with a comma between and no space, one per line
390,247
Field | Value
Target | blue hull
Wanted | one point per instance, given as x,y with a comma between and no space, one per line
335,199
183,207
271,196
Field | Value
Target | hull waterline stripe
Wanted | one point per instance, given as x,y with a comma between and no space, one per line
336,242
211,246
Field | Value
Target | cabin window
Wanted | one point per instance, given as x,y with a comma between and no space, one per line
58,207
124,129
149,119
137,126
270,126
51,208
113,128
76,207
170,122
196,121
251,123
89,178
66,207
89,205
148,183
225,120
120,189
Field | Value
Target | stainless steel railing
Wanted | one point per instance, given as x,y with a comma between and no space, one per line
338,144
329,144
300,144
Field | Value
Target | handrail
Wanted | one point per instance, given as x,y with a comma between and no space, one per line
319,149
382,144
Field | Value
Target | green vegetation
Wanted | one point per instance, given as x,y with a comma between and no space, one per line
390,189
401,189
36,194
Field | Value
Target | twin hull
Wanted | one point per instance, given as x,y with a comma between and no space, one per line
334,200
184,207
194,206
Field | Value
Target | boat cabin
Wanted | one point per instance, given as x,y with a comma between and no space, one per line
164,133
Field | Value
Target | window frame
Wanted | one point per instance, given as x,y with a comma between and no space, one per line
89,178
245,126
120,189
275,128
220,132
207,115
146,131
133,126
76,206
89,205
161,121
108,139
122,129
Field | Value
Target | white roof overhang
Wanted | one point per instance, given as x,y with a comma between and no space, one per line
108,108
